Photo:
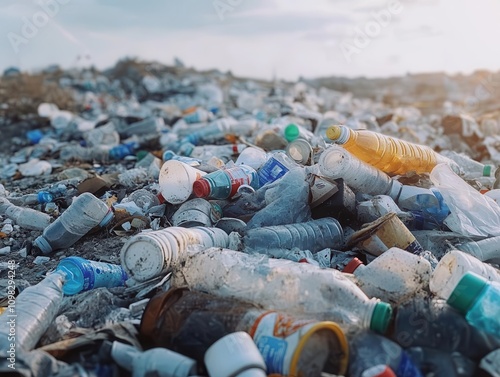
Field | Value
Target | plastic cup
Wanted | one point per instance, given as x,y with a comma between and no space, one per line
176,181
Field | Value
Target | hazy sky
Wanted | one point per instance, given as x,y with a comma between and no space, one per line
257,38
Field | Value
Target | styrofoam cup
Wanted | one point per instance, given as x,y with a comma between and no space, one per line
176,181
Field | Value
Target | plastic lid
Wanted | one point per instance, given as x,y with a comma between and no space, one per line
201,188
142,258
43,245
333,132
352,265
381,317
466,292
379,371
291,132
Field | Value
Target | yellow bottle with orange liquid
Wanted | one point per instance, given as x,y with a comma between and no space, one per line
391,155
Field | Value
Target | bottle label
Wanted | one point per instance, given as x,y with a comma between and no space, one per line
271,171
406,367
277,337
238,177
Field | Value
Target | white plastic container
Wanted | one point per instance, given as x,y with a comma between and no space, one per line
336,162
394,276
176,181
150,254
453,266
235,355
277,284
159,362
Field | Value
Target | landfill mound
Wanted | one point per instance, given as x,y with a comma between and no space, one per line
156,219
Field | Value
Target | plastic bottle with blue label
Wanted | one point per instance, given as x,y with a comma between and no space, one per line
83,275
85,213
277,165
479,300
368,349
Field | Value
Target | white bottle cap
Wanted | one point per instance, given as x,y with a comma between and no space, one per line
235,355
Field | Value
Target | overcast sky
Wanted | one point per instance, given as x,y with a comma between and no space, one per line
257,38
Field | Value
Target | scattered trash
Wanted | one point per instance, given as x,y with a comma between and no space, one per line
161,221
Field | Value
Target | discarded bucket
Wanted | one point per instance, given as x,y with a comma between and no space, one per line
150,254
384,233
176,181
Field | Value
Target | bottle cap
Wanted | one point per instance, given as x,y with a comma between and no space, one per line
466,292
379,371
168,155
201,188
43,245
352,265
333,132
291,132
381,317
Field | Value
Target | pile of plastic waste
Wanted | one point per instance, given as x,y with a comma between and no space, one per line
195,224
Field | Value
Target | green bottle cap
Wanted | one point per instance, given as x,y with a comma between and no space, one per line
291,132
487,170
467,291
141,154
381,317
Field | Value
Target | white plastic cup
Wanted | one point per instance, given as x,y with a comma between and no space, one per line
151,254
176,181
235,355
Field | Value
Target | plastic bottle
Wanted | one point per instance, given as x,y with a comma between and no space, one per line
218,129
151,254
198,115
453,266
235,355
290,346
487,250
35,309
276,166
368,350
26,218
159,362
300,151
121,151
83,275
85,213
435,362
391,155
314,235
431,323
479,300
471,168
144,127
278,284
393,276
253,157
171,155
207,151
104,135
224,183
336,162
78,153
293,132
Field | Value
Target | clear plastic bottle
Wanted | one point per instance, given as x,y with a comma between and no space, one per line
301,346
471,168
487,250
278,284
79,153
83,275
144,127
26,218
104,135
368,349
276,166
218,130
453,266
35,309
393,276
479,300
314,235
84,213
224,183
391,155
336,162
207,151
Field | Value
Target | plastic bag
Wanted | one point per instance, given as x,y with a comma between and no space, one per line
472,214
